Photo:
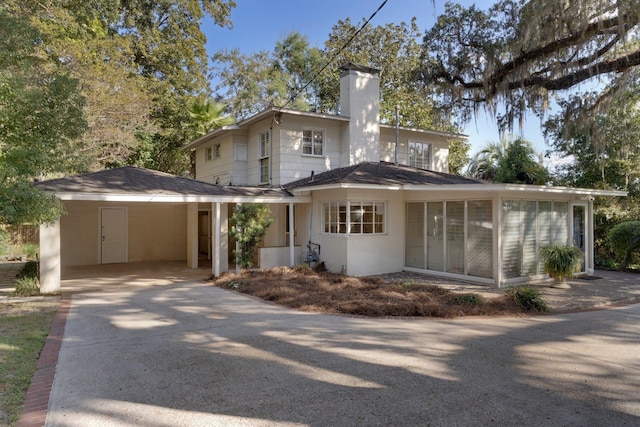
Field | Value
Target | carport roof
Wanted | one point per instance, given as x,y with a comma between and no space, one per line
133,181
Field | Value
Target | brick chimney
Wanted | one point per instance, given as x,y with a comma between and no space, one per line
360,101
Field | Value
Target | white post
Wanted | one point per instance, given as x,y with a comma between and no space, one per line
192,235
218,251
292,254
50,258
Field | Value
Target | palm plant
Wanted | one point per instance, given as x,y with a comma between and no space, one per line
207,115
561,262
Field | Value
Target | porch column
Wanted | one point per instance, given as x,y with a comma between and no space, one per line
192,235
590,240
50,258
218,247
497,241
292,254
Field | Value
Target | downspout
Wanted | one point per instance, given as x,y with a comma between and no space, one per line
395,161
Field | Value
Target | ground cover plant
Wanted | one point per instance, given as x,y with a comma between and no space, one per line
304,289
23,330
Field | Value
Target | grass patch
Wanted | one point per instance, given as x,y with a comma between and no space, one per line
28,283
303,289
23,330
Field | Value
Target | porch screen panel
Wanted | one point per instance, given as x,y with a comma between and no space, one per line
414,250
435,236
480,238
455,237
511,259
529,238
544,229
561,222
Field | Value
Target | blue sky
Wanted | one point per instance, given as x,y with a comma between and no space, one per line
259,24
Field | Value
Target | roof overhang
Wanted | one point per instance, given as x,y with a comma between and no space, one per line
450,188
177,198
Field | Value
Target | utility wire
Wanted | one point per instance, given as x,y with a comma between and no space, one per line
335,55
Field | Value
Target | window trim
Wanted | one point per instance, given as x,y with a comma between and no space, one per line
428,166
337,217
208,153
217,151
311,143
264,151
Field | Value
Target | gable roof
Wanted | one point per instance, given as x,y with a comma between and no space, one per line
383,174
133,181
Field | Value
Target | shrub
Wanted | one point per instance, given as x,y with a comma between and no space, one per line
249,226
4,241
624,241
467,299
27,286
561,261
31,250
527,298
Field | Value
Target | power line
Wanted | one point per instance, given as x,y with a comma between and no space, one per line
335,55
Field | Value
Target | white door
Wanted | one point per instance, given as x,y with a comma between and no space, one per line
113,235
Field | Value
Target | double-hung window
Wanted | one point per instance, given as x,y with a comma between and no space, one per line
312,142
208,153
264,147
420,155
217,151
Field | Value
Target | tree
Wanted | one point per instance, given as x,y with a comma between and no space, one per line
207,115
513,162
40,122
249,224
139,65
520,51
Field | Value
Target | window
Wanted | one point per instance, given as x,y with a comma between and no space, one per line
208,153
354,217
420,155
216,151
312,142
264,143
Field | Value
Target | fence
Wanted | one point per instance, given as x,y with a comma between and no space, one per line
22,234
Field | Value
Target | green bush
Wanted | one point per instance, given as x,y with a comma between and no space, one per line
4,242
561,261
624,241
527,298
27,286
467,299
31,250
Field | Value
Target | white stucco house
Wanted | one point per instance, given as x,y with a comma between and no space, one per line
372,197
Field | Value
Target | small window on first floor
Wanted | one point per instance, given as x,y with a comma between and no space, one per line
354,217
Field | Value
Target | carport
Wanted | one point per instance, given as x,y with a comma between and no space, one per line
130,214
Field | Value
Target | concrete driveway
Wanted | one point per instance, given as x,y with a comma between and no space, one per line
189,354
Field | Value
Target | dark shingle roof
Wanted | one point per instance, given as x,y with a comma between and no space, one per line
384,174
132,180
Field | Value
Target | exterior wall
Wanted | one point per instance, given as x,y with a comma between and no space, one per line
156,232
439,147
361,255
224,170
360,101
292,163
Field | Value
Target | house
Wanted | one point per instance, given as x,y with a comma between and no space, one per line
373,198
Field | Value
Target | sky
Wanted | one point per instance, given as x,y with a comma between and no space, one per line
259,24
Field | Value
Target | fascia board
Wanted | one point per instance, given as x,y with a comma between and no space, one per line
170,198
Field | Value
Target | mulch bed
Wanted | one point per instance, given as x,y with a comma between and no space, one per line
325,292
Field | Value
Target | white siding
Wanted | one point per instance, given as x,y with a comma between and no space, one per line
439,147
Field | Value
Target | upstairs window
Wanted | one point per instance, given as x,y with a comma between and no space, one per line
420,155
217,150
264,147
312,142
208,153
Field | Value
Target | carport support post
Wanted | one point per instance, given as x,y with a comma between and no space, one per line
50,258
292,255
218,249
192,235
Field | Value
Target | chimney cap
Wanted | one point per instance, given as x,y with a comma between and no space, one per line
352,66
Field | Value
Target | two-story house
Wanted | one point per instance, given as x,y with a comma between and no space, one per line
374,198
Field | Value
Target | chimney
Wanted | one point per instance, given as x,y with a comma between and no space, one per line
360,101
